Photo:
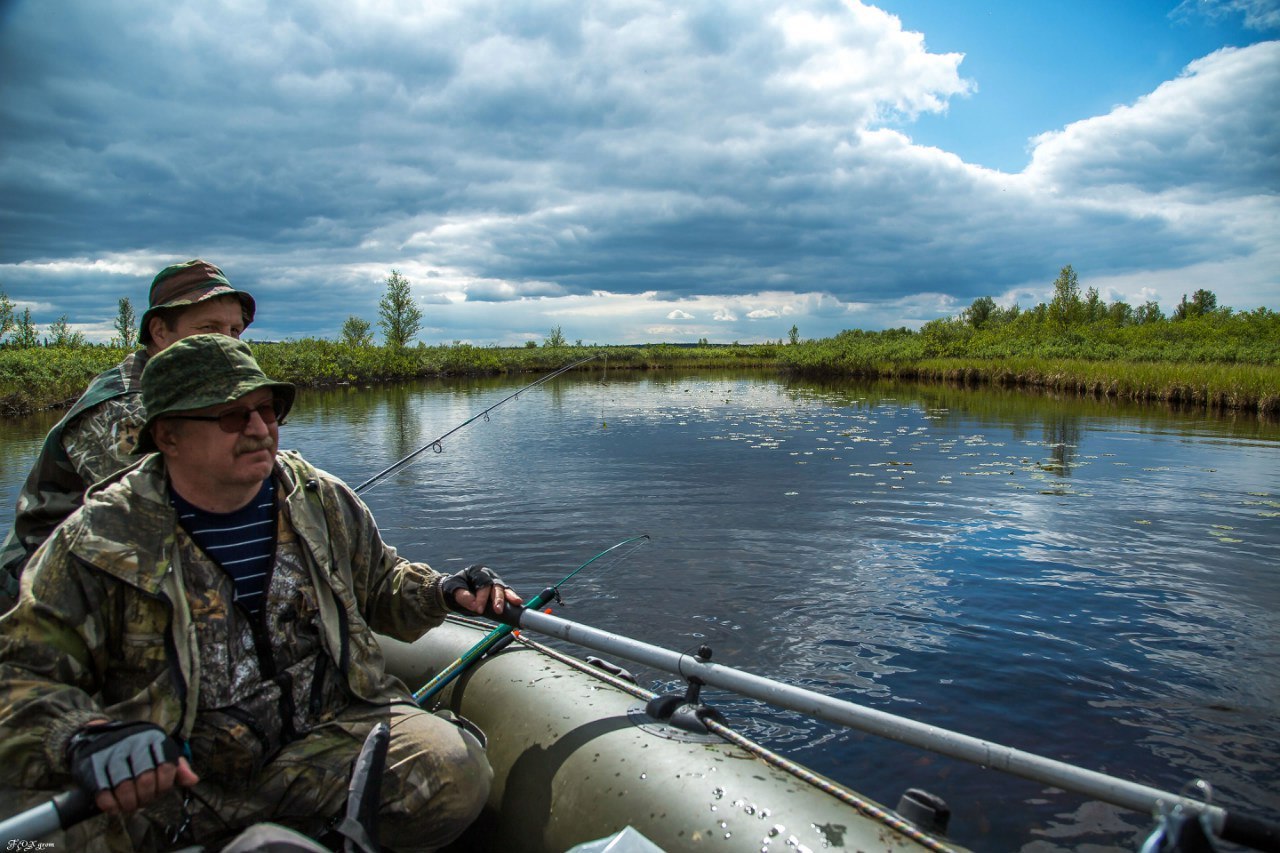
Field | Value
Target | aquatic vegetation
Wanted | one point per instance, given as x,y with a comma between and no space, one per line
1224,362
1221,359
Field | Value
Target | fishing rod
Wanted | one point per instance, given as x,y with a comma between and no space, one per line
490,640
1252,832
437,443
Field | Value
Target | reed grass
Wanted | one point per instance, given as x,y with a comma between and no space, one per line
51,377
1211,386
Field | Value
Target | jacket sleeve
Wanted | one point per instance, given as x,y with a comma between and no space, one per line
50,658
101,441
397,597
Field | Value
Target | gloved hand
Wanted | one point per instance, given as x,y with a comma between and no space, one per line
476,586
104,756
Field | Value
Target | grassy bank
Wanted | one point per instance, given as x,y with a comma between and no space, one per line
1219,360
50,377
1240,387
40,378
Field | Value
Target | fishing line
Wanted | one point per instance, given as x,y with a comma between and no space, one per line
551,593
438,444
635,542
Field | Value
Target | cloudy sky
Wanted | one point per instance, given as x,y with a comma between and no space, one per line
638,170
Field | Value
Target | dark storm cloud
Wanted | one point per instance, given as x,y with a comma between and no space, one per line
723,161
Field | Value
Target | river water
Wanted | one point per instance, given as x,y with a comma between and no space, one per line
1091,582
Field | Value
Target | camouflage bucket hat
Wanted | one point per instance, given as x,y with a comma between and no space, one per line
186,284
199,371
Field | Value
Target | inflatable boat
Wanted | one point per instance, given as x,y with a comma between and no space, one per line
580,753
587,761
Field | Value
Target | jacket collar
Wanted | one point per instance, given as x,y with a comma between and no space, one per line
126,527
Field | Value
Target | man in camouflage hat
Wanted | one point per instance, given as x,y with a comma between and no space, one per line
203,626
97,435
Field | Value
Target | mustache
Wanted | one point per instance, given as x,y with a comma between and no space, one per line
253,445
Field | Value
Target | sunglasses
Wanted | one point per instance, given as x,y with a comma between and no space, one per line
235,420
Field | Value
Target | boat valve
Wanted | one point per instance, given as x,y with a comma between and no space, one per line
927,811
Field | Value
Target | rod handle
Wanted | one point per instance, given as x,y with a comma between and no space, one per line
512,612
74,805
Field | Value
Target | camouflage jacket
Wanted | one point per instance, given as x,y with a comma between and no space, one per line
104,625
93,440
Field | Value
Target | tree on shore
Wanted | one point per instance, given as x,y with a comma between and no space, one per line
126,325
6,315
24,334
1148,312
1120,313
60,335
356,332
1065,308
555,339
1202,302
1093,307
401,319
979,313
794,334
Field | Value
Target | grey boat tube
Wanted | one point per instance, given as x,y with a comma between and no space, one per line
1259,834
575,757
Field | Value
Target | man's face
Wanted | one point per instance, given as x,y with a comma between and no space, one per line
221,315
201,451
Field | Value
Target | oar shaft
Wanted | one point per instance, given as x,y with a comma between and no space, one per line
61,812
33,824
1100,786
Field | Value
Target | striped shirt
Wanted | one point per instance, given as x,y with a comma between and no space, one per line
242,543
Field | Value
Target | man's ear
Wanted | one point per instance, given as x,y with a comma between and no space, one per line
161,337
165,434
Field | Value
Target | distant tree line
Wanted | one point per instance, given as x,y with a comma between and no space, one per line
1201,354
19,331
1069,308
1071,324
400,319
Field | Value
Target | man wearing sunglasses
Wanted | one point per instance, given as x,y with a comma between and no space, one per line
97,435
195,645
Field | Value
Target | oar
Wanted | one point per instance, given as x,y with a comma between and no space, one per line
61,812
471,655
1253,832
